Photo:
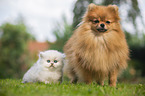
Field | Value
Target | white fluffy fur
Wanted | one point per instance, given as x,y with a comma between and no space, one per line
42,71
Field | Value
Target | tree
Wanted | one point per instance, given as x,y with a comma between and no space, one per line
62,33
13,48
79,9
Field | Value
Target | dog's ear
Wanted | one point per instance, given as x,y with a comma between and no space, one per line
113,7
91,7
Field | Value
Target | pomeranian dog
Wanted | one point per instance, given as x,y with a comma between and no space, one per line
47,69
98,48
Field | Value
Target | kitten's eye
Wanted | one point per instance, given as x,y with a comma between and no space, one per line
96,21
48,61
55,61
108,22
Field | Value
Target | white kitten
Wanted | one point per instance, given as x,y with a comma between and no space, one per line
47,69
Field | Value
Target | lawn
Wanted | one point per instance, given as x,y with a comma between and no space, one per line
11,87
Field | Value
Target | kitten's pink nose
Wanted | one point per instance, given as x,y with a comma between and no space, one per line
52,65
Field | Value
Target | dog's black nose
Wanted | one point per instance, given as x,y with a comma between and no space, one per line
102,25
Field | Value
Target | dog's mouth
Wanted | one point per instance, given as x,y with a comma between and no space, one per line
101,29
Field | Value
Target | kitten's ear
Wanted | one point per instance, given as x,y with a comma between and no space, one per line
63,55
91,7
41,55
113,7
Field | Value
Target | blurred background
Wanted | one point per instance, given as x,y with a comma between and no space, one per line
30,26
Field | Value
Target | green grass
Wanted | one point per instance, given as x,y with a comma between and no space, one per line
11,87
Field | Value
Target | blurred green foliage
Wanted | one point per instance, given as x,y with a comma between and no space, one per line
62,32
13,49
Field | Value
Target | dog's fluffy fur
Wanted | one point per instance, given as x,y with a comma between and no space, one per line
47,69
95,51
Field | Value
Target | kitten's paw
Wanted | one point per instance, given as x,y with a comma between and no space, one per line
24,82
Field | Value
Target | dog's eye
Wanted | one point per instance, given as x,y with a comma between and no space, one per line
108,22
55,61
48,61
96,21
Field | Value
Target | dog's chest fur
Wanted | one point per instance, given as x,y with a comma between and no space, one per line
98,53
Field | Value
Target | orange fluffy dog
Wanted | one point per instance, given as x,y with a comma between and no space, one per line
98,48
